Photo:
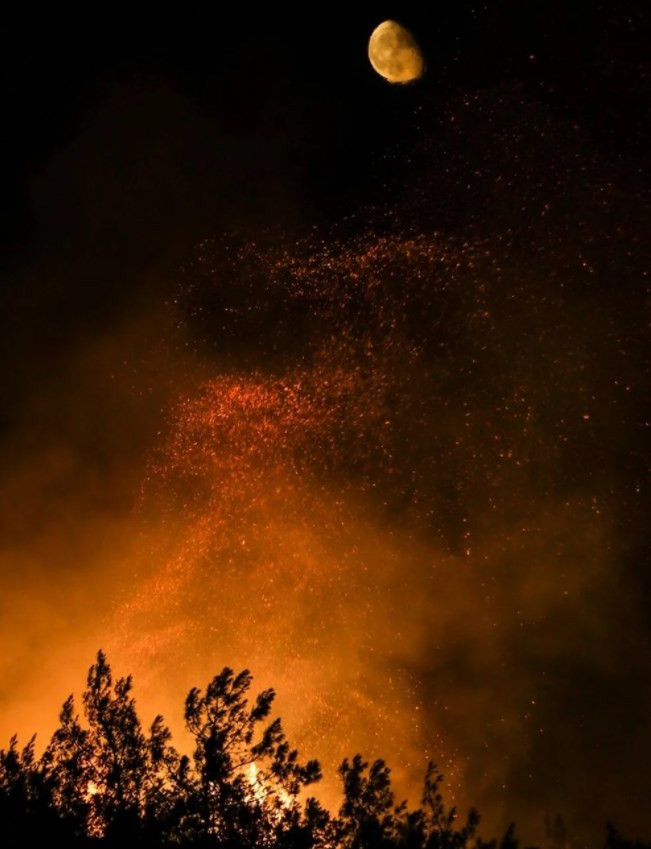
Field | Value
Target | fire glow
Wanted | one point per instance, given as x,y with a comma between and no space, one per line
372,523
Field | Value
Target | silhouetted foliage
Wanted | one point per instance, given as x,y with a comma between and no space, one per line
614,840
103,780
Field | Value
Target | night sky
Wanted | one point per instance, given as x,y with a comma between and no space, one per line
340,381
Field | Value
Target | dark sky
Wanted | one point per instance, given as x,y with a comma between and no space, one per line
141,130
135,147
133,136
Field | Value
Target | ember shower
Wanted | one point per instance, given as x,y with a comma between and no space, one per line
399,479
385,503
384,438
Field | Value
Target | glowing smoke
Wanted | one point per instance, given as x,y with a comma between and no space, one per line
392,488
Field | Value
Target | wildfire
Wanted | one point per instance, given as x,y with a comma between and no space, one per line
350,520
307,499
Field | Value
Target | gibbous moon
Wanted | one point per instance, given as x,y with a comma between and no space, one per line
395,54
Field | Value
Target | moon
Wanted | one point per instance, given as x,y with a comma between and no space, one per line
394,53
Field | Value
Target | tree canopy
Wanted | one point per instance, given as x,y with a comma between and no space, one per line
104,780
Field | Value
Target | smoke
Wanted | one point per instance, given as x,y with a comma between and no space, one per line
390,522
93,356
395,472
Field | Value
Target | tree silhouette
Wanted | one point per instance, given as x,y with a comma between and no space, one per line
614,840
28,815
245,774
368,814
109,779
105,781
439,821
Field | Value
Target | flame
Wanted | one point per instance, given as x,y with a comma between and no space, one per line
262,792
